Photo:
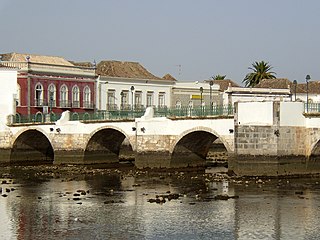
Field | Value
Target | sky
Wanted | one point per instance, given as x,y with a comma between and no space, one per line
192,40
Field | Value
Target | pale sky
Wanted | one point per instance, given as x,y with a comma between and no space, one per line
205,37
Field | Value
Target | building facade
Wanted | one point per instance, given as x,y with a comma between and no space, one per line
49,84
129,86
195,94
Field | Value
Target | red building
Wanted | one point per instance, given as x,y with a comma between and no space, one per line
51,84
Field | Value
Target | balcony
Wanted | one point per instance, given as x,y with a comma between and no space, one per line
39,103
112,107
125,107
75,104
65,104
88,105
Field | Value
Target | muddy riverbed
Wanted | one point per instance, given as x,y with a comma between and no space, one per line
120,202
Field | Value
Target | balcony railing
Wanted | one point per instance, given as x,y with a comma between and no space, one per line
125,107
312,107
75,104
65,104
39,103
52,68
112,107
88,105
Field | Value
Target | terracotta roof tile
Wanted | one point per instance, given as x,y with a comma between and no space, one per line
20,57
124,69
280,83
169,77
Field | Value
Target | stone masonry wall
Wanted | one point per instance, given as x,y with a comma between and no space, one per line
270,140
255,140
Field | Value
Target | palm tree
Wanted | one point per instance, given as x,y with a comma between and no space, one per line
218,77
261,70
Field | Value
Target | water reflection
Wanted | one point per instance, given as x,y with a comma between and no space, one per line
115,206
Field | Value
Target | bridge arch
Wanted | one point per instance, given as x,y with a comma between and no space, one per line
31,146
104,145
315,150
192,146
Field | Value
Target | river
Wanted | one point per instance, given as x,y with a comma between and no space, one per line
71,202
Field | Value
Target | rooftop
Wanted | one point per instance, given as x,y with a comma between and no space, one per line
21,57
224,84
124,70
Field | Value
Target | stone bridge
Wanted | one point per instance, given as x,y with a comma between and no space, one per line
156,142
263,138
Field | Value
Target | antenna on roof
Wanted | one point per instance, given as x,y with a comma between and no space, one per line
179,66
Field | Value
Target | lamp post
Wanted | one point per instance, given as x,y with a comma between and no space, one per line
51,100
201,91
211,83
307,80
121,94
295,89
132,89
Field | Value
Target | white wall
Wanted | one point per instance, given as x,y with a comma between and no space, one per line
255,113
8,91
119,85
291,114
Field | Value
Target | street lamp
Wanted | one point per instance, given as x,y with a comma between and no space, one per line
295,89
201,91
211,83
307,80
121,94
132,89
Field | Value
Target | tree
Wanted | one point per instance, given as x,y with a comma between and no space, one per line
261,70
218,77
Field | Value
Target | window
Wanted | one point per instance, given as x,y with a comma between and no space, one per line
124,100
178,104
75,97
138,100
111,100
161,100
87,97
64,96
149,99
39,95
52,95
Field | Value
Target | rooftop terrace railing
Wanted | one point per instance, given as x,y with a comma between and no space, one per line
312,107
52,68
181,112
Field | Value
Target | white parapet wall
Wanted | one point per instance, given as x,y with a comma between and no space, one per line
8,92
291,114
255,113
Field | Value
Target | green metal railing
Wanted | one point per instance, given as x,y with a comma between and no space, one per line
312,107
204,111
34,118
181,112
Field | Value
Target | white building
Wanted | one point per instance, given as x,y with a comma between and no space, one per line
128,85
193,94
240,94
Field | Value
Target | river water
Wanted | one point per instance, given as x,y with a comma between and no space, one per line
46,202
